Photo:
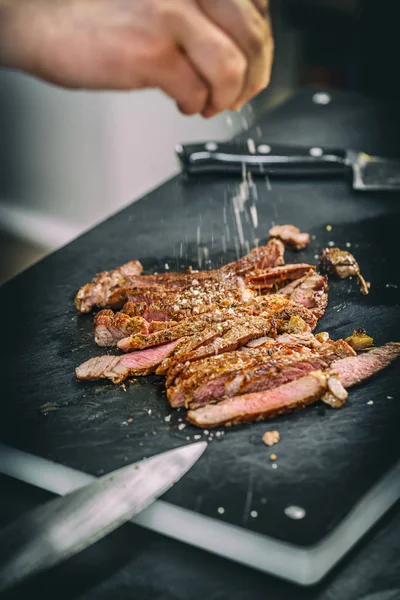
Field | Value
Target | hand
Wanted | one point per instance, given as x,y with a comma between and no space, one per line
208,55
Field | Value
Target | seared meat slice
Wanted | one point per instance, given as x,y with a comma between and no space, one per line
251,370
262,405
355,370
291,236
272,278
311,292
263,257
194,325
296,394
342,264
182,304
111,289
99,289
118,368
240,331
306,339
188,327
111,327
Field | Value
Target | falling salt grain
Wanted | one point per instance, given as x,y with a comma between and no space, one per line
181,426
149,411
188,438
348,245
370,402
167,418
331,244
389,397
221,510
197,436
205,432
166,266
254,514
274,466
316,256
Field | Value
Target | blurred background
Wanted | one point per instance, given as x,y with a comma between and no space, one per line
70,159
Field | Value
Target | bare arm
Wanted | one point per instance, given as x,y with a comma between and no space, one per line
208,55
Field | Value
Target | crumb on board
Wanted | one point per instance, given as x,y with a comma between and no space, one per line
272,457
370,402
221,510
329,227
129,420
123,387
271,437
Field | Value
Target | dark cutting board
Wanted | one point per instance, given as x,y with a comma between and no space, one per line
327,460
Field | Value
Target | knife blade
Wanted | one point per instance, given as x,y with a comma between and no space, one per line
55,531
367,172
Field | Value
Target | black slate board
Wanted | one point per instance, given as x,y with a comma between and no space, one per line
326,459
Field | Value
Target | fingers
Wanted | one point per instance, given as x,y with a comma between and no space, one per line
179,80
251,31
217,59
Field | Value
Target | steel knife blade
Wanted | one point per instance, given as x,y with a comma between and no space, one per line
368,173
55,531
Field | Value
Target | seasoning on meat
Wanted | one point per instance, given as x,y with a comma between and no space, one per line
291,236
342,264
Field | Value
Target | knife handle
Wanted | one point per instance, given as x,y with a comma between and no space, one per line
260,158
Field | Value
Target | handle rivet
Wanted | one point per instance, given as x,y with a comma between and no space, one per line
316,152
321,98
264,149
211,146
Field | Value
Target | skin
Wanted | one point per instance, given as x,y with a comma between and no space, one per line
207,55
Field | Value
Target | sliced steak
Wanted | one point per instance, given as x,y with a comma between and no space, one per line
110,327
251,370
263,257
99,289
111,289
291,236
181,304
262,405
355,370
296,394
240,331
118,368
194,325
311,292
342,264
273,278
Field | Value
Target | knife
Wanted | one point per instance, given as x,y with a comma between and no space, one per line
55,531
367,172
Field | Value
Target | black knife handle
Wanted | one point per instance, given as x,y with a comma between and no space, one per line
260,158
